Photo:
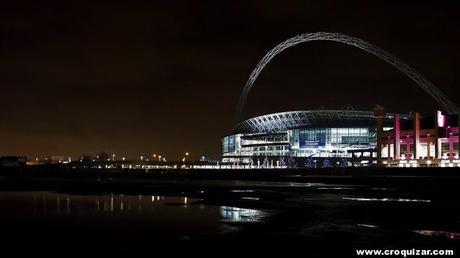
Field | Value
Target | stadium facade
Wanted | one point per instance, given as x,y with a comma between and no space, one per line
331,138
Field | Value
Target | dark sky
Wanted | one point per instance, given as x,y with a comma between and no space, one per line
136,78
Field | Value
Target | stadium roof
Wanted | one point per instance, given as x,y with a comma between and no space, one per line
277,122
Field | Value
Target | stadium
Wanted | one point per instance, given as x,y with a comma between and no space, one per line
311,138
343,138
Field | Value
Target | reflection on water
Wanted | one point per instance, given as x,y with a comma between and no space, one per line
434,233
105,203
250,184
383,199
164,217
234,214
47,202
335,188
250,198
152,206
367,225
242,191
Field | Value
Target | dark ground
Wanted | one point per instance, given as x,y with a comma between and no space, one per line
316,213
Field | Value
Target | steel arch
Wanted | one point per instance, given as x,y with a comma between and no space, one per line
421,81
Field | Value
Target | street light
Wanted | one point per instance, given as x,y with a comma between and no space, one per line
183,159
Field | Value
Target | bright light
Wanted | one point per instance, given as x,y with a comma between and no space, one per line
123,158
441,119
186,154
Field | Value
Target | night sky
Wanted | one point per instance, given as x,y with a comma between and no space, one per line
136,78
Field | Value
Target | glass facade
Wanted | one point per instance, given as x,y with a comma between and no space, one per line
304,142
228,144
323,137
330,142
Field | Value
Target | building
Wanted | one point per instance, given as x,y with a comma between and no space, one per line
311,138
331,138
430,141
12,161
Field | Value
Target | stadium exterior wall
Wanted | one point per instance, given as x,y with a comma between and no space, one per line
306,138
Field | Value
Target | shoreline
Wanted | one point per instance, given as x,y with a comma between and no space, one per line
445,180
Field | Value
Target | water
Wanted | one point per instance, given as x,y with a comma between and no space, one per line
169,215
251,214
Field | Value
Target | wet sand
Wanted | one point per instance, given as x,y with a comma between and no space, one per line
311,214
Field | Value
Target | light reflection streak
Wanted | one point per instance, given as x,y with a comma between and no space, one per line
384,199
335,188
242,191
367,225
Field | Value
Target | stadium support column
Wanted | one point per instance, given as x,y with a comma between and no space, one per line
439,123
428,150
437,144
379,113
416,124
397,130
389,149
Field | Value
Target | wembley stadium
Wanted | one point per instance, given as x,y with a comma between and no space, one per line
310,138
331,138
